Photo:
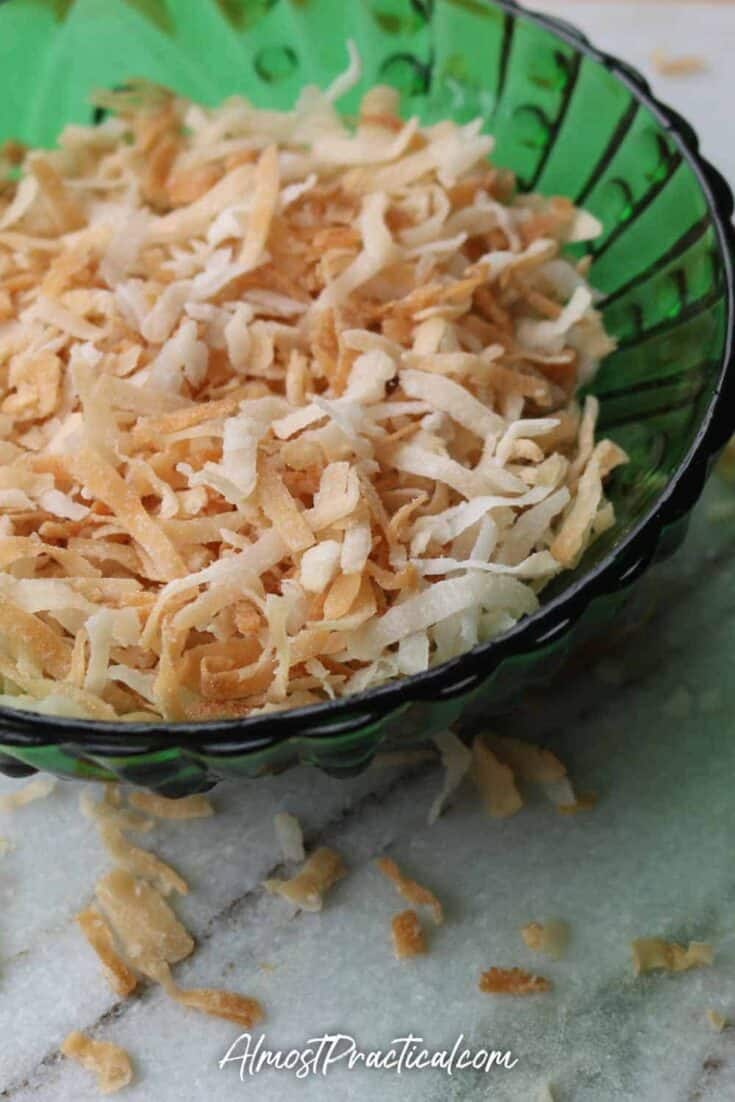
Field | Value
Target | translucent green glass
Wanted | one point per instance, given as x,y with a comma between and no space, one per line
567,121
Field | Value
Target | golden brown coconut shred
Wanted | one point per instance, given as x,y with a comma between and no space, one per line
512,981
110,1063
411,890
37,789
495,781
286,405
240,1009
146,927
409,939
98,934
187,807
319,873
682,66
550,938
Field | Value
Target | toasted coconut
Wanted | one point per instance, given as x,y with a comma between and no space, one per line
495,781
37,789
240,1009
409,939
574,533
411,891
307,889
110,1063
121,979
550,938
512,981
717,1021
103,482
341,596
263,207
299,384
290,836
528,762
25,635
64,211
151,429
456,759
683,66
281,509
319,564
654,953
188,807
144,924
140,862
110,810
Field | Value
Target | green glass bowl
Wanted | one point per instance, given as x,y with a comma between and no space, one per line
567,119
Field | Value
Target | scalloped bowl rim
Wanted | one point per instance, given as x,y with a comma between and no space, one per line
124,739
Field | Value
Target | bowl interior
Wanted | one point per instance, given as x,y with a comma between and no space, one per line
562,121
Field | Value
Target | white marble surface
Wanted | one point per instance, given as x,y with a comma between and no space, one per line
649,729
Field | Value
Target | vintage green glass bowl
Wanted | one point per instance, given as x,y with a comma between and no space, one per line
567,119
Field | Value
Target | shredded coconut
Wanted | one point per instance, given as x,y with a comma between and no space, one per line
683,66
550,938
307,889
37,789
651,954
144,924
411,891
495,781
122,979
456,759
512,981
240,1009
290,836
188,807
409,939
110,1063
288,406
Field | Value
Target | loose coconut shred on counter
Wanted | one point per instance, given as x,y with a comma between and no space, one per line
130,926
318,874
409,939
651,954
110,1063
411,890
286,405
183,808
549,938
37,789
98,934
512,981
683,66
290,836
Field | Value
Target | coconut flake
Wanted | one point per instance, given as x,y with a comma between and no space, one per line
110,1063
548,336
290,836
319,565
307,889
